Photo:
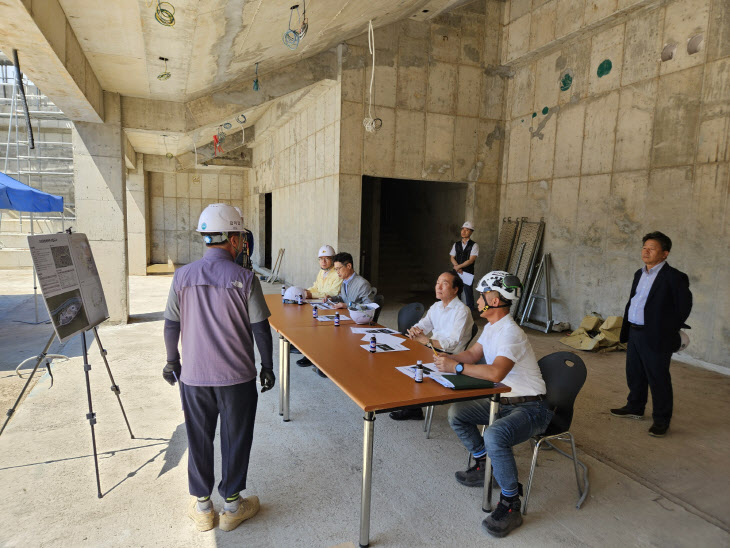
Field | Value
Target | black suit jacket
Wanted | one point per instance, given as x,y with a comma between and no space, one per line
667,308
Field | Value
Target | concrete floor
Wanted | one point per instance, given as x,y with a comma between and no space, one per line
644,491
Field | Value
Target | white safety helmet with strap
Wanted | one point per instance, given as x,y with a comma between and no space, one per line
468,225
217,221
506,284
326,251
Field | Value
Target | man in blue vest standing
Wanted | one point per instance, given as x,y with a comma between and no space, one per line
463,255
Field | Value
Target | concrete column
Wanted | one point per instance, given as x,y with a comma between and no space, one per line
138,219
100,179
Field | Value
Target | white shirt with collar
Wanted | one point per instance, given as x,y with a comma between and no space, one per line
638,301
506,338
450,325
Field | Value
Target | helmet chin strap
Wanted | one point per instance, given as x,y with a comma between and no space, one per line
487,307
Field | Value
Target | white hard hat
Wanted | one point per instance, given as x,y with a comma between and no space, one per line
506,284
326,251
220,218
239,211
684,338
292,293
468,225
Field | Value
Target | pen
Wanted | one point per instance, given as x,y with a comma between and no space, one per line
430,343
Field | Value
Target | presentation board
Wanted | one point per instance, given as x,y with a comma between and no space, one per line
69,281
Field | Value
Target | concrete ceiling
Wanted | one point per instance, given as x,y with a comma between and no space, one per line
214,43
213,48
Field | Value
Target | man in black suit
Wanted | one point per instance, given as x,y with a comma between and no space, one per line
659,305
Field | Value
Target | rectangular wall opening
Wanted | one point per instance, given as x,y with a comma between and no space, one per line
407,229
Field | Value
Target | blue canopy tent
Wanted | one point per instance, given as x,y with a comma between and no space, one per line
19,197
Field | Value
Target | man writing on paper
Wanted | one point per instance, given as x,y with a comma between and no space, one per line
219,309
502,354
355,289
463,254
448,323
326,285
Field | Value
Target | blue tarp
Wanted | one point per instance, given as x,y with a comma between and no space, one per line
19,197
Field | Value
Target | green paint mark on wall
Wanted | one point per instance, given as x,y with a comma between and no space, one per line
545,110
566,81
604,68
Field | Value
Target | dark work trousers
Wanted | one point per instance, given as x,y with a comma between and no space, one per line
647,368
236,405
469,296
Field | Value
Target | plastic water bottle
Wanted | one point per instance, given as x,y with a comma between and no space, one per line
283,290
373,340
314,312
299,299
419,371
337,319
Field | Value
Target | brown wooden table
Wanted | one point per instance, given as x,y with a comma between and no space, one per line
371,380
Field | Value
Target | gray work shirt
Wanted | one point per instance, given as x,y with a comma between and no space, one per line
216,301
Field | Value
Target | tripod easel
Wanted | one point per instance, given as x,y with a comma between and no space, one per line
90,416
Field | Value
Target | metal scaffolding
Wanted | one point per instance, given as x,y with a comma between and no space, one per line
49,166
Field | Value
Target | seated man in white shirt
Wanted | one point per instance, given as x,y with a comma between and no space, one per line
446,327
502,354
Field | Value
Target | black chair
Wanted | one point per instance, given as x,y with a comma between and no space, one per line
564,374
408,316
380,301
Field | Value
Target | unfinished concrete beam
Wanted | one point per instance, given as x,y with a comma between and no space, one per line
275,84
50,55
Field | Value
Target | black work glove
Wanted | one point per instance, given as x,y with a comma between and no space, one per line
268,380
171,372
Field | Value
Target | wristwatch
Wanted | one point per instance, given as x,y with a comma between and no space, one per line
459,368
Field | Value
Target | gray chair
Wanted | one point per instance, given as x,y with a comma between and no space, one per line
408,316
429,410
380,301
564,374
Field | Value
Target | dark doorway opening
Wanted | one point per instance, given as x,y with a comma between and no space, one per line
267,230
407,229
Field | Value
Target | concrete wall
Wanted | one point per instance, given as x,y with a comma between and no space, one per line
138,219
176,200
439,95
607,155
296,159
100,179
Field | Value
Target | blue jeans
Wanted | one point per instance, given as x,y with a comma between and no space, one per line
514,424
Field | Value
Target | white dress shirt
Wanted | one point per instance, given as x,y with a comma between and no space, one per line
638,301
450,325
473,253
506,338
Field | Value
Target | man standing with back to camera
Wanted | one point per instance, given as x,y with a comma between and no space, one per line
659,304
219,308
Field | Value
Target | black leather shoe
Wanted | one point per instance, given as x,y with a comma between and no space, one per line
304,362
407,414
626,413
294,350
658,430
319,372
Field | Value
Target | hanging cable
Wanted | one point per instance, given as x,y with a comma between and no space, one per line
371,124
241,119
256,79
166,74
305,22
165,16
291,36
